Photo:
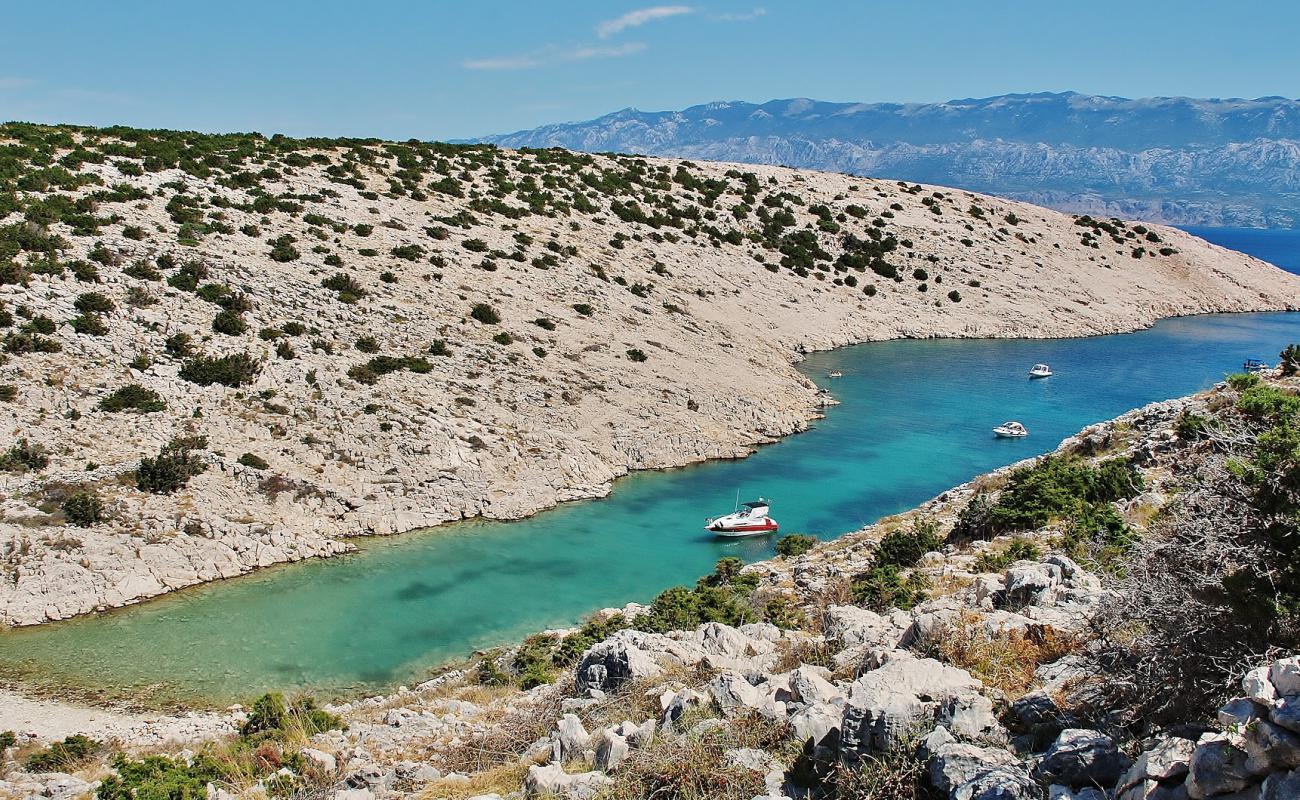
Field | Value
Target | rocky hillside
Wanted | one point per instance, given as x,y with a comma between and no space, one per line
1173,159
969,650
223,352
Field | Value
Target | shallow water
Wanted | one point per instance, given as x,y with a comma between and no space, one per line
915,419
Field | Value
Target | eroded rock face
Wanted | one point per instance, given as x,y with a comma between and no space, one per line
887,703
552,780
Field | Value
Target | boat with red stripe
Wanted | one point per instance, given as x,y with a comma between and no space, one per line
749,519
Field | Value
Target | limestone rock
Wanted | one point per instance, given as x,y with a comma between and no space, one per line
1217,767
553,780
1081,757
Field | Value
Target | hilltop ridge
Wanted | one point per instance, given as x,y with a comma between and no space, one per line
225,352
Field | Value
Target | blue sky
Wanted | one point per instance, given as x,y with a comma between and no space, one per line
444,70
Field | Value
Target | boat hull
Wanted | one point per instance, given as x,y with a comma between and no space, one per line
757,529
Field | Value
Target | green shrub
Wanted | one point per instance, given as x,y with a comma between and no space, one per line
954,296
232,370
884,587
485,314
1060,488
1019,550
229,323
636,354
8,392
905,548
439,348
89,325
64,756
254,461
367,344
7,740
133,397
349,291
94,303
23,456
83,508
503,338
584,309
272,718
178,345
1290,360
172,468
544,323
282,249
160,778
795,544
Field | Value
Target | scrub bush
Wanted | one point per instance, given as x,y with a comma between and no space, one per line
796,544
83,508
133,397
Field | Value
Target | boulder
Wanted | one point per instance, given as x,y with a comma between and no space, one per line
1281,786
1163,763
1270,748
611,663
852,626
955,763
1058,792
611,750
809,685
1081,757
1031,583
1238,712
887,703
1000,783
1285,676
1217,767
1286,712
552,780
734,695
320,759
677,703
572,739
971,717
819,724
1257,686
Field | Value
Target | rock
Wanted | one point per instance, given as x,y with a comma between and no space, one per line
320,759
852,625
989,591
1058,792
572,739
553,780
353,794
643,735
1034,710
810,686
60,786
1258,687
734,695
1238,712
678,703
819,724
971,717
1069,568
1217,767
1281,786
955,763
1285,676
1029,583
1167,760
426,773
611,750
611,663
1082,758
364,775
1270,748
999,783
1286,712
749,758
886,704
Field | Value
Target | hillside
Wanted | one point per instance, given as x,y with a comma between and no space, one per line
224,352
1168,159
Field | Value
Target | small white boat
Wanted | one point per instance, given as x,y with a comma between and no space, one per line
1254,365
1040,371
835,373
1010,430
749,519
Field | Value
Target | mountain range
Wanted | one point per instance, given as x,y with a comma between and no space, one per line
1176,160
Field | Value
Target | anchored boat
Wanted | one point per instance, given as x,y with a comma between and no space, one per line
749,519
1040,371
1010,430
1254,365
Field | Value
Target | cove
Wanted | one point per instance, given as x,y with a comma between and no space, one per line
914,419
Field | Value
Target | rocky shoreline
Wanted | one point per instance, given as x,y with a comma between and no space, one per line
988,687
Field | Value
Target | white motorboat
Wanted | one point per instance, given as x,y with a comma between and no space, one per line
1040,371
835,373
749,519
1010,430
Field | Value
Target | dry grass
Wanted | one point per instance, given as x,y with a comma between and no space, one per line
1004,660
505,741
502,780
693,766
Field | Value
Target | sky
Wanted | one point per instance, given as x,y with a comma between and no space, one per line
442,70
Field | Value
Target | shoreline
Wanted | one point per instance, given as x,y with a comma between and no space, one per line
824,397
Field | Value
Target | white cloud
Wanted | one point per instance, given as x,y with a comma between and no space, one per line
641,16
757,12
553,55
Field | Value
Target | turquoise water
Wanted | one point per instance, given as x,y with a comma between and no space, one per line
915,419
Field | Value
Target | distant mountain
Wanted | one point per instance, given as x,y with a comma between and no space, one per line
1167,159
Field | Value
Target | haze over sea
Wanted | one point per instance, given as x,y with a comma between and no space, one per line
914,419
